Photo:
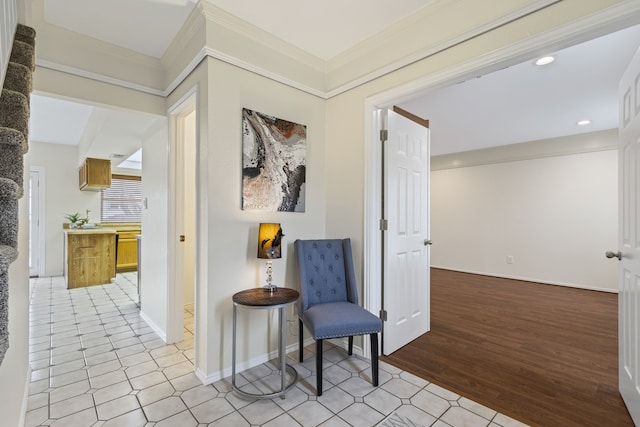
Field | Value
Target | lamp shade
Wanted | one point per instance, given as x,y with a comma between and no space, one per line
270,241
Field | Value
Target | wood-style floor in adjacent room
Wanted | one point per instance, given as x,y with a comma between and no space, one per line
545,355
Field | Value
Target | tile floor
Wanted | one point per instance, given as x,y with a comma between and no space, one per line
95,362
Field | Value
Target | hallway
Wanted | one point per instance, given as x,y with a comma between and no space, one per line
96,363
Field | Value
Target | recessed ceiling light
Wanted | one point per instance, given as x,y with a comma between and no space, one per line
584,122
545,60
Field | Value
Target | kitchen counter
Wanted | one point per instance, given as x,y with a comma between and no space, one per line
90,256
96,230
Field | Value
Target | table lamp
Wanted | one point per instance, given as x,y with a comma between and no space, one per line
270,248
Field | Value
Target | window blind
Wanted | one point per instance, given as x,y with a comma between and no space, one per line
122,202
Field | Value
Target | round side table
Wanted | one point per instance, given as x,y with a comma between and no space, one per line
259,299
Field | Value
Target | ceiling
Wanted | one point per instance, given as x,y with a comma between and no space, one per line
516,104
349,21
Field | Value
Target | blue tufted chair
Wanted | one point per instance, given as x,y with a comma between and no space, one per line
328,304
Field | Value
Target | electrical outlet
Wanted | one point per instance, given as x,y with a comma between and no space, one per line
509,259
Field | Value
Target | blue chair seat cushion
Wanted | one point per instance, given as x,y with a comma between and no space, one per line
340,319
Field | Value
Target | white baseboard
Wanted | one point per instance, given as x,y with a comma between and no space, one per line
217,376
526,279
162,334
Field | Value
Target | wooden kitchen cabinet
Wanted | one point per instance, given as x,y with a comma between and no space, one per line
127,251
95,174
90,257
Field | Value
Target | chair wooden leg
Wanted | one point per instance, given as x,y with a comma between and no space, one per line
319,367
374,359
351,345
300,330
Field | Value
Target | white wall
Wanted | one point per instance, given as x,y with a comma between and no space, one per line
555,216
62,196
14,371
227,234
189,207
153,293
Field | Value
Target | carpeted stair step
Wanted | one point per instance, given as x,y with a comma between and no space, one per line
7,256
8,213
8,253
11,160
4,305
18,78
14,112
23,53
26,35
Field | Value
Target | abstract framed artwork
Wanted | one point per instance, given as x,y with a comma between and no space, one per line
273,163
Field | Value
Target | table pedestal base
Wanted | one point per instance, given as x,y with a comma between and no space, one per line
280,393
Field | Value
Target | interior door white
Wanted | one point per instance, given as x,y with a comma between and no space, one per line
406,287
629,239
34,223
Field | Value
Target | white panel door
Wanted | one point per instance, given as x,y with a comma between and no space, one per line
629,239
406,252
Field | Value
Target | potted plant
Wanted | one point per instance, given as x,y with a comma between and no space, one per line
75,221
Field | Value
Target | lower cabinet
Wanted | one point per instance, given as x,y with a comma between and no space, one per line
127,259
89,257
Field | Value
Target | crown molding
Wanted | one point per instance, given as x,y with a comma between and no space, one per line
553,147
98,77
413,23
373,45
195,23
257,35
619,16
600,22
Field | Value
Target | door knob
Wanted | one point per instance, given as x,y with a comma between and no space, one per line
611,254
427,242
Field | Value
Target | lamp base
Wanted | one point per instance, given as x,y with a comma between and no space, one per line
270,288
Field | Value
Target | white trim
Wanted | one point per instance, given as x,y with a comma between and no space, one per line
175,291
425,53
598,23
264,73
153,326
97,77
585,143
583,29
527,279
185,73
240,367
42,215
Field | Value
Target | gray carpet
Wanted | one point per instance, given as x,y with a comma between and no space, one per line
14,137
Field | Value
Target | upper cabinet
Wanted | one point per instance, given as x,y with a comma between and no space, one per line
95,174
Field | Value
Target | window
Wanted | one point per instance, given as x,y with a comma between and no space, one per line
122,202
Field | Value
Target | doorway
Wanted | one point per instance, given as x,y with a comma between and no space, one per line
466,71
183,229
36,225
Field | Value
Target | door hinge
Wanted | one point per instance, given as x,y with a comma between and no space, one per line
384,225
384,135
383,315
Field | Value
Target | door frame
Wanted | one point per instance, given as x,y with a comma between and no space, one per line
615,18
175,290
41,171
